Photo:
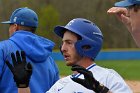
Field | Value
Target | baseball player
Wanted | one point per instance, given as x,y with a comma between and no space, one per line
22,28
82,41
128,12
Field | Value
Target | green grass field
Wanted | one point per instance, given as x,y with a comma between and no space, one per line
128,69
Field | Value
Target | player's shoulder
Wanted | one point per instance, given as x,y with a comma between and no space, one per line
4,44
107,75
104,71
99,69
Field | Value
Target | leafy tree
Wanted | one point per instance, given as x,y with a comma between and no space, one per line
48,19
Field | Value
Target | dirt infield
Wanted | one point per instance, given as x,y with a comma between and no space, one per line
134,85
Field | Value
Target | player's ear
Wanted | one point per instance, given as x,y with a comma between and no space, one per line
16,27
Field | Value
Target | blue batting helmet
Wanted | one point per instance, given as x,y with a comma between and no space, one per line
23,16
91,36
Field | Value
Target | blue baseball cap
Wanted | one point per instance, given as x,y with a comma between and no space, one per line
23,16
127,3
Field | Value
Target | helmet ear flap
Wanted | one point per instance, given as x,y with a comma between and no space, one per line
87,48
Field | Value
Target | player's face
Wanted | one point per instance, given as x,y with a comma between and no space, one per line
68,49
134,18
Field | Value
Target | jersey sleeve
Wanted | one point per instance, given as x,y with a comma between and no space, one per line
116,84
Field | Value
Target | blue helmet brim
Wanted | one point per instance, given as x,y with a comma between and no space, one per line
6,22
59,30
123,3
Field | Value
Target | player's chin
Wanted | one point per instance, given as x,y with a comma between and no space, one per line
69,63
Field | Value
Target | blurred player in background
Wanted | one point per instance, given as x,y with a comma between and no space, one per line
22,27
128,12
81,42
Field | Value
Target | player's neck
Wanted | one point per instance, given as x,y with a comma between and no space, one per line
85,62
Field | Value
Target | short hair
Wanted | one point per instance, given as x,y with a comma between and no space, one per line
78,36
135,7
27,28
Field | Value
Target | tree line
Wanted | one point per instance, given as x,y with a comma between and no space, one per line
59,12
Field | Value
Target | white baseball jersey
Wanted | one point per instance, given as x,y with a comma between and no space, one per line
108,77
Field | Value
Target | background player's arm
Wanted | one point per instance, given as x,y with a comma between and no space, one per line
123,15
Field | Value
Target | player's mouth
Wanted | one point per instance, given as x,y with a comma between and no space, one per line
66,57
